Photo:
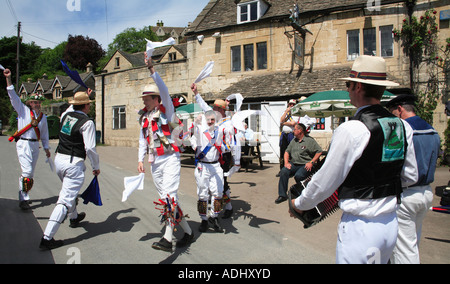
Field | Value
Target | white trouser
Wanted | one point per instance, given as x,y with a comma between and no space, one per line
366,240
166,175
416,201
209,178
72,177
28,154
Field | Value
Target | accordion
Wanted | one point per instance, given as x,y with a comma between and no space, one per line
318,213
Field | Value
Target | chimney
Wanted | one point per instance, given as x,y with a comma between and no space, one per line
45,76
29,80
89,67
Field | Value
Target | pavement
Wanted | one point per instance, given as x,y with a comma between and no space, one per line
260,232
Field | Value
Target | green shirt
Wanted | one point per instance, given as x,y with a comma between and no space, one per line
302,152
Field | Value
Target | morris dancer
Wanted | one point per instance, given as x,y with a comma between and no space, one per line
32,125
207,142
369,160
76,142
164,157
416,199
232,147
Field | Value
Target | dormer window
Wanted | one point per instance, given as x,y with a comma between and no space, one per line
251,11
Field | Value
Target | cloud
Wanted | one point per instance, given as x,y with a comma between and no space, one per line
50,22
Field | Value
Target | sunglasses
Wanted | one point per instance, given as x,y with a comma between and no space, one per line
348,84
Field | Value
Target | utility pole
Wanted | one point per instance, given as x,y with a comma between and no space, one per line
18,57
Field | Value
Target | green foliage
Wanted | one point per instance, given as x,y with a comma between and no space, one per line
419,37
132,40
82,50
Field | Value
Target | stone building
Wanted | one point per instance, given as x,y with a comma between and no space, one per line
269,53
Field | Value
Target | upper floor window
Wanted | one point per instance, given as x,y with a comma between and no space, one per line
370,43
251,11
387,41
352,44
249,57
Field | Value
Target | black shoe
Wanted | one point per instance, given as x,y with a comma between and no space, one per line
280,199
227,214
50,244
203,226
163,244
75,222
216,224
24,205
187,239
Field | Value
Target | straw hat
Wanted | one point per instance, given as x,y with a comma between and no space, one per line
370,70
35,97
80,98
221,104
150,90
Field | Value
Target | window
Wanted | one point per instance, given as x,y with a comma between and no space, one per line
119,117
370,41
352,44
249,56
172,56
58,93
386,41
261,54
236,59
248,12
117,62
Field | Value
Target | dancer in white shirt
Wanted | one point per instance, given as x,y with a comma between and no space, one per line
76,142
370,159
32,127
164,157
207,142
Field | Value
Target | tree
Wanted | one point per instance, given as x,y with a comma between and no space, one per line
418,38
29,53
132,40
82,50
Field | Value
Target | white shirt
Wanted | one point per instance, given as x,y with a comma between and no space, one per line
24,118
348,144
88,132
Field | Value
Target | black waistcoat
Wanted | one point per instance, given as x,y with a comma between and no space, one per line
71,141
377,173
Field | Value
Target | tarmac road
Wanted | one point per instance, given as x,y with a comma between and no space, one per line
259,232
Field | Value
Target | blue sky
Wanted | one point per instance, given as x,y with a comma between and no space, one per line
49,22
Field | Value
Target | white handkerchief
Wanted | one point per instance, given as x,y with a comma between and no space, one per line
152,45
1,67
131,184
206,72
49,161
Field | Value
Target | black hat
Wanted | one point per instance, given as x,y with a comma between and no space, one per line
406,99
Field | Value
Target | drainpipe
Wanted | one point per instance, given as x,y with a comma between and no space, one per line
410,4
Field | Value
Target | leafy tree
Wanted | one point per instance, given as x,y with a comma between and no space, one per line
29,53
132,40
419,41
82,50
